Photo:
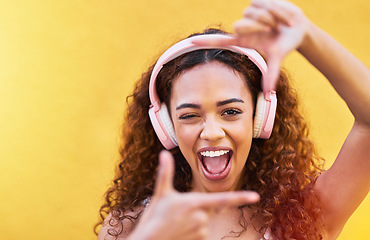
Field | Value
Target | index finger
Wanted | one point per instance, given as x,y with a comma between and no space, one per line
216,42
223,199
282,10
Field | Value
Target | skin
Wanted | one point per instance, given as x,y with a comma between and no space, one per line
186,215
204,120
275,28
279,27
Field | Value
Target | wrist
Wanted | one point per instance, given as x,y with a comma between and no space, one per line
308,39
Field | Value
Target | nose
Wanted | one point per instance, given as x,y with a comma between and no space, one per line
212,130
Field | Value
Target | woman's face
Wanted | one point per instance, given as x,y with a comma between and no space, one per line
212,113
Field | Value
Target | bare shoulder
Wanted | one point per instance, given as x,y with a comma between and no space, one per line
118,224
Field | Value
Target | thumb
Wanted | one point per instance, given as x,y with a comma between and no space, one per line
273,72
165,173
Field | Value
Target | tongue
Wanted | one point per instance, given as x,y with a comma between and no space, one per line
216,165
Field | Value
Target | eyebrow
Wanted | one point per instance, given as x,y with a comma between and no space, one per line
219,104
231,100
188,105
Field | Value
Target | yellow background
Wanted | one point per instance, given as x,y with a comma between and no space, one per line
65,70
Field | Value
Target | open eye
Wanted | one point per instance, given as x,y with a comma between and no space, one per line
231,112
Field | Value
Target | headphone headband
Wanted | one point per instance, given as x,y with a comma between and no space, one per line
186,46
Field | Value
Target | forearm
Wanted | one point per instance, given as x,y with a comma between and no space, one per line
348,75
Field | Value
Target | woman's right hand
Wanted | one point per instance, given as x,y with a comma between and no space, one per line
182,216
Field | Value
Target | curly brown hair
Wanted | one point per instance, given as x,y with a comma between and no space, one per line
281,169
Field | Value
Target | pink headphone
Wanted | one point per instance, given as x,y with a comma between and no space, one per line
160,117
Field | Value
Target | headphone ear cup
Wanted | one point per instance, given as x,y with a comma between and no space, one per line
163,127
167,123
259,115
264,116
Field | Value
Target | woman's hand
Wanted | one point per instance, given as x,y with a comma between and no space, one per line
182,216
273,27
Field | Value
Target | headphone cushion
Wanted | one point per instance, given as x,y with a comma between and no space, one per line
259,116
167,125
162,126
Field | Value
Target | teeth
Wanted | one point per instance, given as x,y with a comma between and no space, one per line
214,153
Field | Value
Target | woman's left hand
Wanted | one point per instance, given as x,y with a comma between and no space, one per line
273,27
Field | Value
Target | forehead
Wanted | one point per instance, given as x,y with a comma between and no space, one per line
210,80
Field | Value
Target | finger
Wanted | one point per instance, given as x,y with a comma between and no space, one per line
164,182
260,15
222,199
281,10
215,42
249,26
196,219
273,65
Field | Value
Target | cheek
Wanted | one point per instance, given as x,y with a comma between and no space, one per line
241,135
186,135
186,138
243,128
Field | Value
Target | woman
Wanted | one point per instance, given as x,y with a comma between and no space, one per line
207,189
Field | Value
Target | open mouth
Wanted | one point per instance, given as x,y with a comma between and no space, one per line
215,165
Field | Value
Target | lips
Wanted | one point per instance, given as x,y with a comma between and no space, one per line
215,163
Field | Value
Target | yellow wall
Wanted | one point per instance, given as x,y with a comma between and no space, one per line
65,69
